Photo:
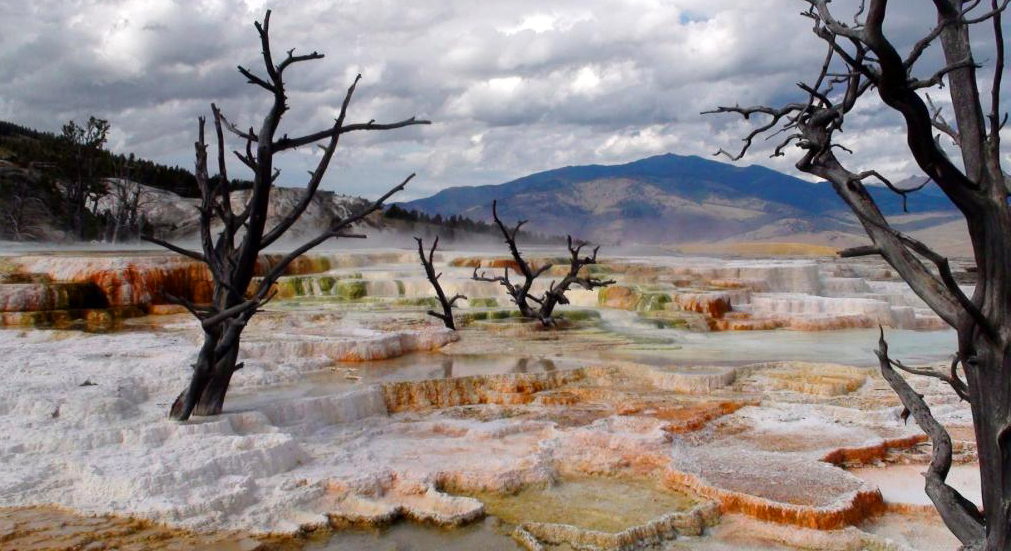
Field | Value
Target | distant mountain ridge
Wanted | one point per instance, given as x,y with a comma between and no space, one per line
667,199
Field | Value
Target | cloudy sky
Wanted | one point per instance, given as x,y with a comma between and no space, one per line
512,86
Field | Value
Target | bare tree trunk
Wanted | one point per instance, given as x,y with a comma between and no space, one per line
555,295
556,292
989,375
993,440
860,58
212,399
231,258
447,304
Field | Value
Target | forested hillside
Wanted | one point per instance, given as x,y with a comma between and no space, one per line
29,148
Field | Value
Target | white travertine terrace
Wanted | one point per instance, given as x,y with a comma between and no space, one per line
326,426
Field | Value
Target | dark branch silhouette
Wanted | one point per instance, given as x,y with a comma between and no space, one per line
447,304
231,254
555,295
862,59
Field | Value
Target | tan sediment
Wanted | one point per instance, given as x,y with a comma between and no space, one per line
506,389
91,319
861,505
45,528
532,535
143,280
759,249
712,304
850,503
816,379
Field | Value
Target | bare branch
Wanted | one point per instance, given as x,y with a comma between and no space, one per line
959,514
939,122
998,74
944,269
174,248
246,160
336,230
994,13
253,79
197,311
289,143
222,166
447,304
854,252
293,59
951,378
936,78
268,60
248,136
206,200
746,112
316,175
778,151
891,186
922,44
232,312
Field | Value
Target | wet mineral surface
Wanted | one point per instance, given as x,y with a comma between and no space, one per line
699,403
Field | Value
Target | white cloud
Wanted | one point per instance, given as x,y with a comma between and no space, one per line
538,23
512,87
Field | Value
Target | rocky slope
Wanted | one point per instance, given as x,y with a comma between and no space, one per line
174,216
674,199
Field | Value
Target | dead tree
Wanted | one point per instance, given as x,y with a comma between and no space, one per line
447,304
123,222
23,209
231,255
128,198
520,294
82,183
555,295
860,59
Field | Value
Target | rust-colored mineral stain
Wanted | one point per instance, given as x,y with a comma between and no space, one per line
686,417
867,454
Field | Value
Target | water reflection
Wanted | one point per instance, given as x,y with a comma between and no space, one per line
847,346
528,365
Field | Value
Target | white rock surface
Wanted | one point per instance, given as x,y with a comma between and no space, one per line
83,423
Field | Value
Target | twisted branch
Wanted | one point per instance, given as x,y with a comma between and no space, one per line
447,304
960,515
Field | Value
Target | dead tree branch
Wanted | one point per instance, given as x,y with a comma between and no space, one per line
959,514
864,59
447,304
231,254
520,294
555,294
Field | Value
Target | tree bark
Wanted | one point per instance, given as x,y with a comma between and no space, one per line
232,266
861,58
993,440
447,303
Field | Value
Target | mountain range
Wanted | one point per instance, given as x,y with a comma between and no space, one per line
680,199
